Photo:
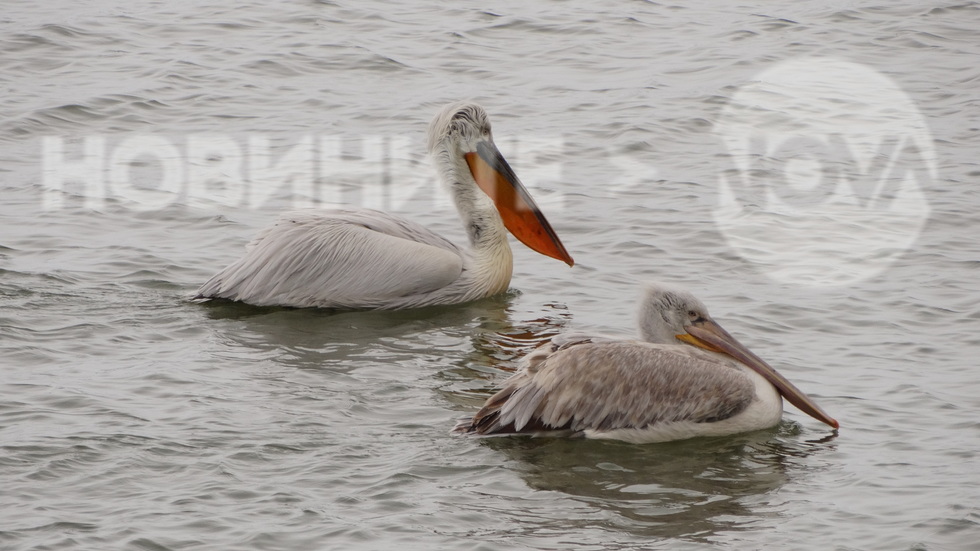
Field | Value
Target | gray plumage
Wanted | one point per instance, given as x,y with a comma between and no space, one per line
603,387
641,384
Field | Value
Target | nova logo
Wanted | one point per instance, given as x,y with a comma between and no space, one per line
829,160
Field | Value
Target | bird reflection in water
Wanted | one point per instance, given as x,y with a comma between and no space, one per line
691,490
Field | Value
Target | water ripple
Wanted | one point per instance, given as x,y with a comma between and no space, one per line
131,416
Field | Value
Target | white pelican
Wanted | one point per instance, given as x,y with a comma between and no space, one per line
687,377
369,259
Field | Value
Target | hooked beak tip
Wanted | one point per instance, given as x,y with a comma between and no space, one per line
712,337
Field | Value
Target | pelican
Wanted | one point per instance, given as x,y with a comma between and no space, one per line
687,377
353,259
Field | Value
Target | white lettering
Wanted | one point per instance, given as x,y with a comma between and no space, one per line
89,171
293,173
214,172
129,155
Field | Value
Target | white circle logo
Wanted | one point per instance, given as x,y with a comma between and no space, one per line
829,161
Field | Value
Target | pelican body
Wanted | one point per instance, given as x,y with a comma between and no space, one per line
686,377
362,258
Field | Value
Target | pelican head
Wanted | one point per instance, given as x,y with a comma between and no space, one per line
669,315
462,148
457,128
665,312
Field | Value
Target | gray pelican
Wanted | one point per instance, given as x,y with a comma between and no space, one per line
364,258
687,377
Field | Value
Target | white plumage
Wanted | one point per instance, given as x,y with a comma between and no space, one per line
361,258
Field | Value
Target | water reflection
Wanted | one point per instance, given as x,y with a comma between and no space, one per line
497,346
478,336
501,343
694,489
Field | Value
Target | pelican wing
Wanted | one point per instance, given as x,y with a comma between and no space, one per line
537,357
339,259
604,386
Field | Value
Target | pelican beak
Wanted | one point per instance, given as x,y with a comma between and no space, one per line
520,214
705,333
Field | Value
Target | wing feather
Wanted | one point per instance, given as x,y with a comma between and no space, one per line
340,259
615,385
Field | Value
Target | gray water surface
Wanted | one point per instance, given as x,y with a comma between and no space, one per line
131,418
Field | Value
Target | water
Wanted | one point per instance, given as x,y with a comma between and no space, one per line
133,419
